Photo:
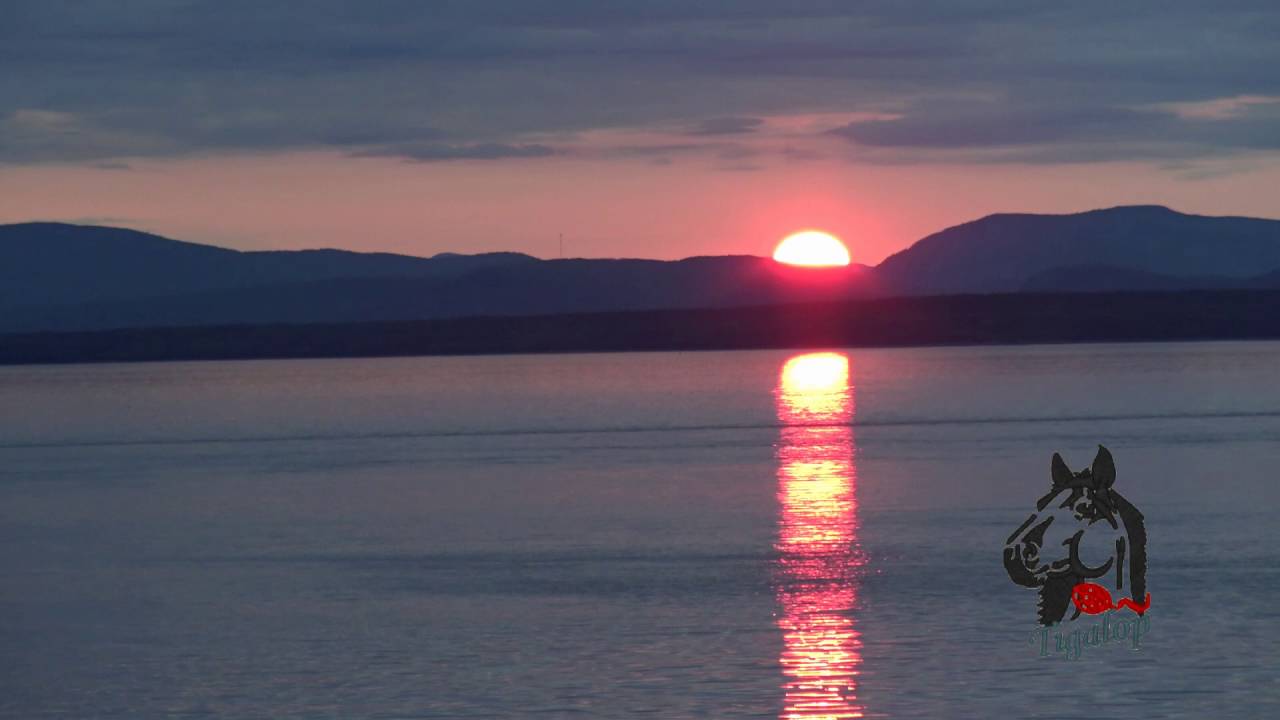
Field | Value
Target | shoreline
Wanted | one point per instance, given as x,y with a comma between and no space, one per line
927,321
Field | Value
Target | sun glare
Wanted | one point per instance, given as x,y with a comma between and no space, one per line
813,248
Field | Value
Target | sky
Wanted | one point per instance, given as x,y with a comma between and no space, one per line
660,129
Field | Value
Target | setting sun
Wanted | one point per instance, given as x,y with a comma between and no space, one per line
812,248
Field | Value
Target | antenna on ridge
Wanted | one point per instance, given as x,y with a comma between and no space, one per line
561,246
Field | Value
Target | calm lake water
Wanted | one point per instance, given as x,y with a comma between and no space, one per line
737,534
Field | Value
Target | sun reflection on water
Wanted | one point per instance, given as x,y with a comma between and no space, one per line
817,547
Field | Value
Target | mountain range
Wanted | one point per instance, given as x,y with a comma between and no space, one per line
62,277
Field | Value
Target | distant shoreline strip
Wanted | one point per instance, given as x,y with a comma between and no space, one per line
1007,319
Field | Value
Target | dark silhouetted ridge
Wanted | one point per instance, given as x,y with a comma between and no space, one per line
59,277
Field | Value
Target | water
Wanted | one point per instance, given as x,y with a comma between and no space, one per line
677,535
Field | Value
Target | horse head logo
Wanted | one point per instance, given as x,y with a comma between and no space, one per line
1082,531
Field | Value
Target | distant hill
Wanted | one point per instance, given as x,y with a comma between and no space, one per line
1108,278
60,277
43,264
547,287
1007,252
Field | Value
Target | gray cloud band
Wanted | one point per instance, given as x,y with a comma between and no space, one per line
483,80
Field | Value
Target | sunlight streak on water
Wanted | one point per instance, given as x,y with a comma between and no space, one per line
817,538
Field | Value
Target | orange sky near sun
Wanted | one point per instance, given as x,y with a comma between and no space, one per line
604,207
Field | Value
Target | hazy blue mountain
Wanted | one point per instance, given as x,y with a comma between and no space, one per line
1266,281
1001,253
546,287
66,277
1109,278
45,264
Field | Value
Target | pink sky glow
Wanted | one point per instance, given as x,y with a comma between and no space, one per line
607,202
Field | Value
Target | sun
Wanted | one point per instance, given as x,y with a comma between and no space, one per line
813,248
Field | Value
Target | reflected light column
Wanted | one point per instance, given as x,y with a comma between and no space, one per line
818,555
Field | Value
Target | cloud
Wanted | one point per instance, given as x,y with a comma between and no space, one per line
727,126
950,125
1218,108
651,150
1057,132
33,134
796,154
495,79
475,151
